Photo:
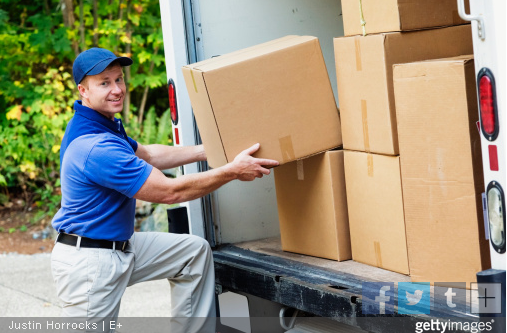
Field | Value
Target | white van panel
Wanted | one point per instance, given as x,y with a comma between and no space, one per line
490,52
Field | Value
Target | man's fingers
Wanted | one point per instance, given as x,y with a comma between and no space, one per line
252,149
264,171
260,161
267,162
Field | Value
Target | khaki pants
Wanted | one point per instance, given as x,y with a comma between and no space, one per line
90,282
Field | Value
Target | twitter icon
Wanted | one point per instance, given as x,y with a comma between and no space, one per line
414,298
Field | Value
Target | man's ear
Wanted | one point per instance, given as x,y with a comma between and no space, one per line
83,91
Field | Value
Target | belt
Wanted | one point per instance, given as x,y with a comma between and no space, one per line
93,243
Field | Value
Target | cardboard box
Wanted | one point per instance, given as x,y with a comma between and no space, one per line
365,87
441,167
312,206
398,15
277,93
375,205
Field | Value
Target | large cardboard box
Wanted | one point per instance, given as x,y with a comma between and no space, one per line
312,206
398,15
277,93
441,168
375,205
365,87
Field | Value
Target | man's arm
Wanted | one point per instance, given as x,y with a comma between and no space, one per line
160,189
166,157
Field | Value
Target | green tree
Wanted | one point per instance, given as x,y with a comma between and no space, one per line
38,44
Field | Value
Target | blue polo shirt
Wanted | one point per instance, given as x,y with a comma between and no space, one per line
100,174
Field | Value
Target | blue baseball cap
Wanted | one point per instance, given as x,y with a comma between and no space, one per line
94,61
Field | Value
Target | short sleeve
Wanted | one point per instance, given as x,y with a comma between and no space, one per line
111,163
133,143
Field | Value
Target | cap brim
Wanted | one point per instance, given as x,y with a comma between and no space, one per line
101,66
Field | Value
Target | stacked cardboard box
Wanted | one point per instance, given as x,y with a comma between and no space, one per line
261,95
368,114
365,80
441,168
377,227
397,15
312,206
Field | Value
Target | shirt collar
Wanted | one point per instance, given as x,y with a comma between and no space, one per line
91,114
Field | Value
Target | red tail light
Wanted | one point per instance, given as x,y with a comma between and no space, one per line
493,158
487,104
172,101
176,136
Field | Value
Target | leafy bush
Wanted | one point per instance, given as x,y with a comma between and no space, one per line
39,42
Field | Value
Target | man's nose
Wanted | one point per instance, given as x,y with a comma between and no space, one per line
116,88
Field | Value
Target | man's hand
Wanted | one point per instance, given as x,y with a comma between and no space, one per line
247,168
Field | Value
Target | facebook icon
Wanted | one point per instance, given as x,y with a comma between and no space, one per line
378,297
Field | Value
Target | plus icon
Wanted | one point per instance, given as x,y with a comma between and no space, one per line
486,298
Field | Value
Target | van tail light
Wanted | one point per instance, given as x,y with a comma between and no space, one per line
496,216
176,136
487,104
493,158
172,101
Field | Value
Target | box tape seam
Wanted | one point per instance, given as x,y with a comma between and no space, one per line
378,254
300,170
287,148
193,80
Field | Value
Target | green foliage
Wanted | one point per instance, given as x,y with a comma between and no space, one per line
149,127
37,90
164,132
157,129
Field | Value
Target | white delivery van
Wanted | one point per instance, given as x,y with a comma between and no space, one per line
275,291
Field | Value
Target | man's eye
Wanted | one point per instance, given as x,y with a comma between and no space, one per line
103,84
120,79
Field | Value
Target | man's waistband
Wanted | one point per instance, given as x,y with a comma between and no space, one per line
91,243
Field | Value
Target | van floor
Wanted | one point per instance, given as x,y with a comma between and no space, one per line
273,246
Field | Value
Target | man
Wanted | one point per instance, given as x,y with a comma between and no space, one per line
97,254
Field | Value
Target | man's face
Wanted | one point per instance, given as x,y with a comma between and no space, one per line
104,92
